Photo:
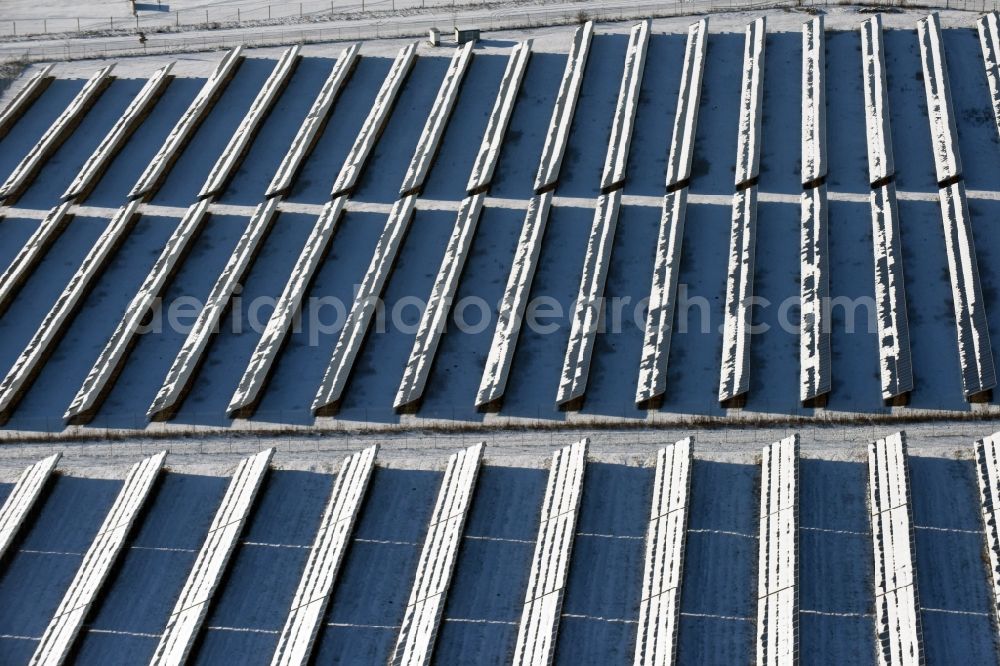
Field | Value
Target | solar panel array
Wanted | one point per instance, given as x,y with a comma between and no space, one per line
655,625
581,349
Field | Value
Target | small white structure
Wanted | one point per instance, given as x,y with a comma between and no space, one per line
463,35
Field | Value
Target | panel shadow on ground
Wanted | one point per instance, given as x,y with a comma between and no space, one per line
937,377
952,578
61,168
534,373
654,118
774,345
276,133
125,624
464,133
32,125
379,366
299,369
580,175
373,586
718,116
124,170
320,170
781,115
240,329
696,343
855,380
386,167
81,343
911,137
181,185
42,563
265,569
614,367
491,573
718,591
162,338
461,356
835,549
605,574
522,145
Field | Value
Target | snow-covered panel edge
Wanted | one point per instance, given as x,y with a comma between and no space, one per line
734,375
623,123
539,625
688,103
940,114
435,315
663,566
312,596
898,637
814,334
338,372
116,138
185,366
751,104
974,350
778,545
100,379
250,389
26,492
881,164
987,457
589,303
515,299
309,132
496,127
895,366
662,299
813,103
561,122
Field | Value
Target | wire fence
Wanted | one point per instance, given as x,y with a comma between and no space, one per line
240,28
758,424
154,17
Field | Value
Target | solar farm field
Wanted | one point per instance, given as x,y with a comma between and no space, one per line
741,218
658,342
617,547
